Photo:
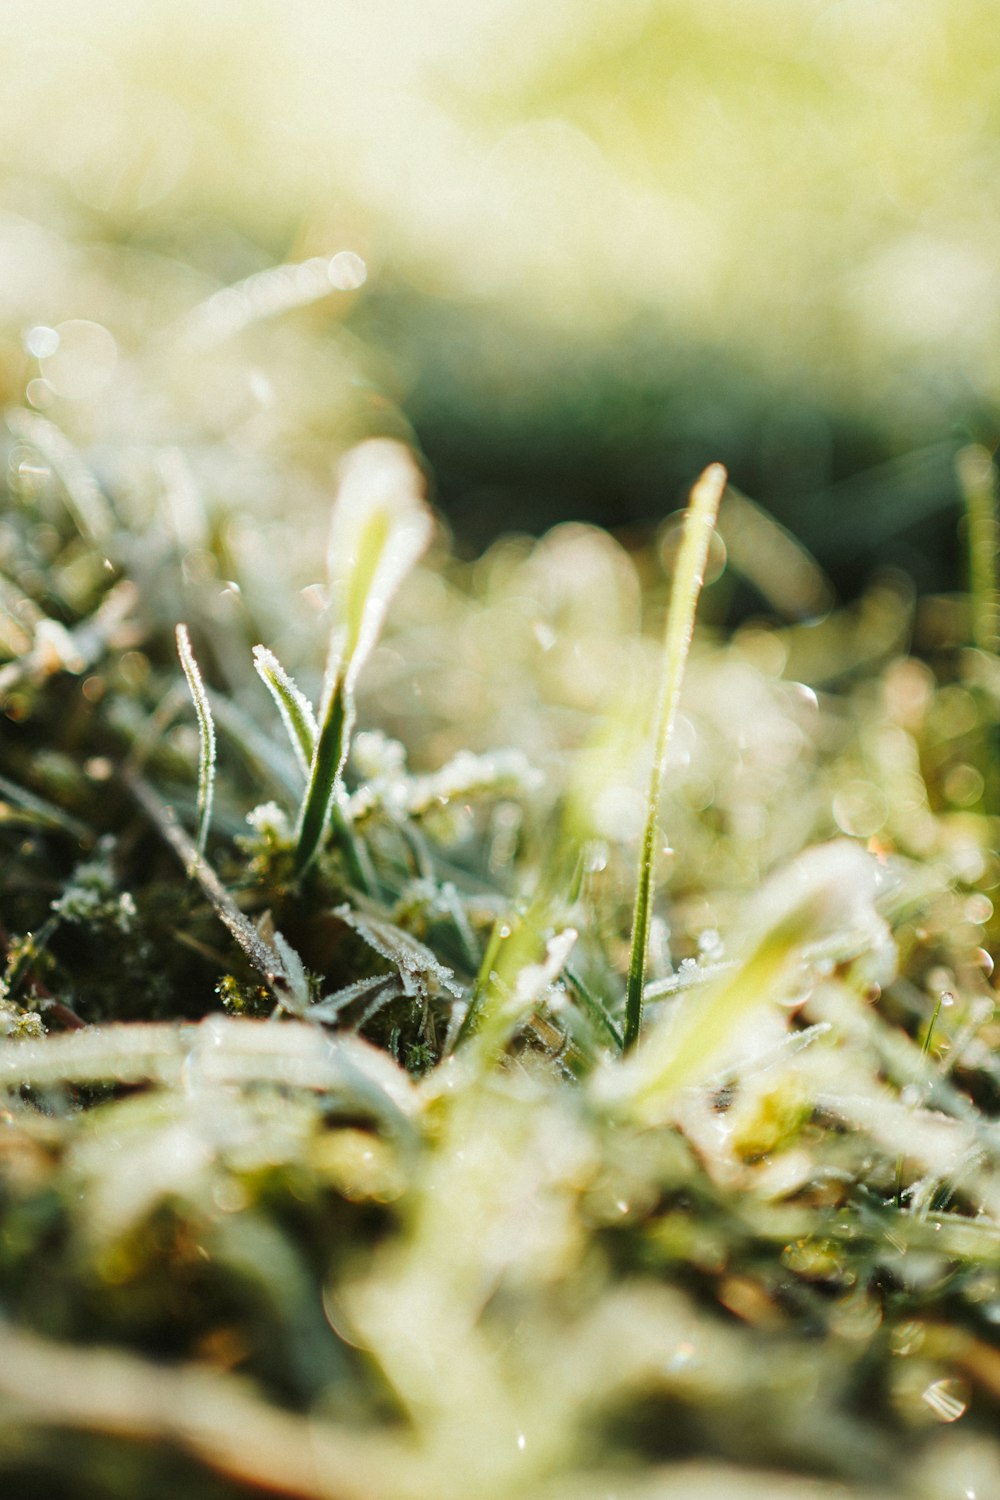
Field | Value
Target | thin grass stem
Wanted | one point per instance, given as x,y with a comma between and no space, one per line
264,956
698,527
206,737
978,479
501,930
924,1050
596,1007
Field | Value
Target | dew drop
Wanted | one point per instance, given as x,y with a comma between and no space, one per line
710,945
347,271
805,695
947,1399
978,908
682,1356
41,341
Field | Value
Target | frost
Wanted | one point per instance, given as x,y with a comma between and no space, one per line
420,972
19,1025
92,898
469,775
270,825
298,993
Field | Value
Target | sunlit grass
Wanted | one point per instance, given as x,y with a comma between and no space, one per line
685,588
322,1164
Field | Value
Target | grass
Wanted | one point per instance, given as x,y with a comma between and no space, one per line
375,1125
699,525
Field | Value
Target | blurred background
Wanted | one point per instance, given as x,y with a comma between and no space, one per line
574,251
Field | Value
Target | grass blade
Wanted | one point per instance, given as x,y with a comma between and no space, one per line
698,526
380,527
206,737
328,762
828,889
978,480
293,705
265,957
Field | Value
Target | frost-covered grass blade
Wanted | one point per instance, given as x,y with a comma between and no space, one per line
699,524
206,736
379,529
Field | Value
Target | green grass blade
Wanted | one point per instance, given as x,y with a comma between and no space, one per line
829,889
293,705
328,762
596,1007
206,737
698,526
978,479
379,528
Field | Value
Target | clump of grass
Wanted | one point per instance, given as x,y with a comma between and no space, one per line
407,1210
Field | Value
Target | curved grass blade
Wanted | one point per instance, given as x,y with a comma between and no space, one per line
698,526
293,705
86,502
285,984
380,526
206,737
827,890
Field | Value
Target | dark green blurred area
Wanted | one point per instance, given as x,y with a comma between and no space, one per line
522,429
606,243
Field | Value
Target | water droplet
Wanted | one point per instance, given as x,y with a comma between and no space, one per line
978,908
347,271
939,980
947,1399
544,635
710,945
947,999
522,1442
41,341
682,1356
984,960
